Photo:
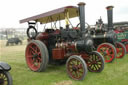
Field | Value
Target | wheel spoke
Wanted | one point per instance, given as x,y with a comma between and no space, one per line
73,61
1,75
39,59
80,66
97,66
4,77
92,66
39,53
90,59
36,49
93,57
76,75
89,63
30,56
70,63
33,50
80,71
77,62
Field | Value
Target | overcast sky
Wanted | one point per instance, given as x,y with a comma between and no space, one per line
11,11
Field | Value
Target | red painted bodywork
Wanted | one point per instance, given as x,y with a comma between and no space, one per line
58,53
118,31
42,36
65,50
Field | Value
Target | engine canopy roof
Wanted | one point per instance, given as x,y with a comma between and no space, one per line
54,15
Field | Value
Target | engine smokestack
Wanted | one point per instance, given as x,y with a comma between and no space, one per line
82,16
110,17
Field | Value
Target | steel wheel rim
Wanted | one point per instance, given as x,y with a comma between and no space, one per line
94,63
3,79
120,50
107,51
33,56
75,69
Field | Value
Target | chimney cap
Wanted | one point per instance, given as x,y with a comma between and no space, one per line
109,7
81,3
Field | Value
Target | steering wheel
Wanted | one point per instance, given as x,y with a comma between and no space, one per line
89,30
31,32
86,25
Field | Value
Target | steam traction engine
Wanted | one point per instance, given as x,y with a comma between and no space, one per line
73,46
106,39
121,29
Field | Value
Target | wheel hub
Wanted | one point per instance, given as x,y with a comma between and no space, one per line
74,68
35,56
105,53
1,81
94,62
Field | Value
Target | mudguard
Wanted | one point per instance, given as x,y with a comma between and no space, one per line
4,66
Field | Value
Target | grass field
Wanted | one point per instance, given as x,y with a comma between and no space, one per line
115,73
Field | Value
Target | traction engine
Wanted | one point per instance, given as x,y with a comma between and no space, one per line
106,39
121,29
73,46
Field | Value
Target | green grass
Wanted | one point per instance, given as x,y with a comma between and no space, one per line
115,73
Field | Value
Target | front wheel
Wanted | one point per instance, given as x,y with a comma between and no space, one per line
76,67
5,78
95,62
108,51
121,50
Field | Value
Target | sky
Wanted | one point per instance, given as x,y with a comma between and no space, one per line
11,11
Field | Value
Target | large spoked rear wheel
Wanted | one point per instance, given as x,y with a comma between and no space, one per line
126,46
36,55
76,67
108,51
5,78
121,50
96,62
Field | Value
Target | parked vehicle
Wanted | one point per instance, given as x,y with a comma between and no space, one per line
64,44
12,41
5,77
105,39
121,29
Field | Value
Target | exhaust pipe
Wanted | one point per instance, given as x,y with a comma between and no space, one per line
82,16
110,17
